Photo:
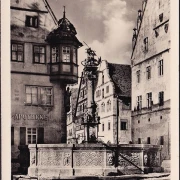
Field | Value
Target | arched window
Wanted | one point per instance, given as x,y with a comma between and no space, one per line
108,105
103,107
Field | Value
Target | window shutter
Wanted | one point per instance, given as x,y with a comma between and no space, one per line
40,136
22,135
12,135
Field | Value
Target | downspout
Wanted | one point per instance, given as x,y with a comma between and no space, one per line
117,121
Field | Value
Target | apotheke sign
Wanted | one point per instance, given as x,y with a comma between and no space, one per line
30,117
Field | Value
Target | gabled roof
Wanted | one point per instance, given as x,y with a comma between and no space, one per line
121,77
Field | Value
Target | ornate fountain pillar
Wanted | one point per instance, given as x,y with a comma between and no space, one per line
91,118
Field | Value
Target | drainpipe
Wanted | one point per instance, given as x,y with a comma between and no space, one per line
117,121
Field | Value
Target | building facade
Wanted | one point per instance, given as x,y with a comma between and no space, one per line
113,98
71,126
151,76
112,94
41,67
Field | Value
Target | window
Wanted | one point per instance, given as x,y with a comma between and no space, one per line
148,140
160,67
123,124
102,127
109,125
146,44
102,79
54,54
161,98
139,140
161,140
107,89
17,52
103,107
74,56
139,103
39,54
108,105
32,21
46,96
102,93
66,54
138,76
148,72
31,135
161,17
31,95
149,100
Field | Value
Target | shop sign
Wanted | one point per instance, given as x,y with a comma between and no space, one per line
30,117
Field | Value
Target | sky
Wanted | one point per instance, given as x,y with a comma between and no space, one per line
105,25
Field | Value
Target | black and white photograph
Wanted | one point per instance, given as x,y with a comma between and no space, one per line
90,90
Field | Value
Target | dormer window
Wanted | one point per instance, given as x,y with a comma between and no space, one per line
32,21
66,54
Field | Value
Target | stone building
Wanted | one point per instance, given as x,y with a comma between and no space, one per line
151,76
43,61
113,98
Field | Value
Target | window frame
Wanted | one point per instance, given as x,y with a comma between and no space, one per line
47,87
107,89
146,44
148,140
66,61
39,100
103,79
122,126
138,75
161,98
39,53
149,99
161,67
57,54
34,18
31,94
148,72
108,106
102,107
17,43
102,127
139,102
109,126
74,55
31,134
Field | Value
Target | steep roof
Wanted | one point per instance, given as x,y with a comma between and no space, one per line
121,77
64,31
